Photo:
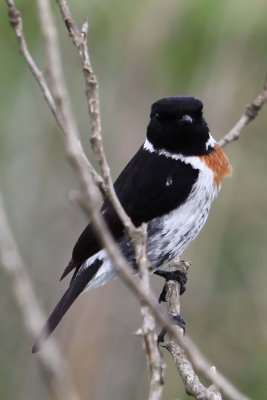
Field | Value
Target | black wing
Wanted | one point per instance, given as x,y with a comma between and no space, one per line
148,187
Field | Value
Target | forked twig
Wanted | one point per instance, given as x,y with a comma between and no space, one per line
250,113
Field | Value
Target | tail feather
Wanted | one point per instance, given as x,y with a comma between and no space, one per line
74,290
71,265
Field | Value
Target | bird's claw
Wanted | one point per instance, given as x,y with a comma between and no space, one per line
178,320
177,275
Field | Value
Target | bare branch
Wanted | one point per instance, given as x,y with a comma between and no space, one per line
74,32
73,144
79,39
54,69
250,113
50,359
156,366
193,386
16,23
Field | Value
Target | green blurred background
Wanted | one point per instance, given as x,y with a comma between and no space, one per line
141,51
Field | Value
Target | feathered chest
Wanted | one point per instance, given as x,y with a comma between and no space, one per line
170,234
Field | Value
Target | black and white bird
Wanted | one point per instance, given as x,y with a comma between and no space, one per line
170,184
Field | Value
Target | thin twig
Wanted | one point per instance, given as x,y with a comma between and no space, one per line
155,363
250,113
79,39
54,70
51,360
193,386
73,143
17,24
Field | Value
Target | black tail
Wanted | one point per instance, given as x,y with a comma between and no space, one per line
75,289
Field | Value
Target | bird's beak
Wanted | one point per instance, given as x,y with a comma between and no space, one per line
186,120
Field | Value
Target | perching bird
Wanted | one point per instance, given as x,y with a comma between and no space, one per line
170,183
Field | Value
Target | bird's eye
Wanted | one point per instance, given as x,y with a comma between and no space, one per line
161,116
199,111
164,117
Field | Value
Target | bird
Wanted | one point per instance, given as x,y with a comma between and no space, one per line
170,184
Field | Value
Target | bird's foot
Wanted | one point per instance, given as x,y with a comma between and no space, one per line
177,275
178,320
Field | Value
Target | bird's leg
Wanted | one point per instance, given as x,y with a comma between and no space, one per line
174,287
178,275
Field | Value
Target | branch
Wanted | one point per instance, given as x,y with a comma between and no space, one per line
79,39
50,359
156,366
73,144
250,113
193,386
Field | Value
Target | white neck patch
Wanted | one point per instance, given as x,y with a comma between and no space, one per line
176,156
211,142
195,161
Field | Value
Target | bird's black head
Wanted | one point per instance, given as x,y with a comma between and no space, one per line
177,125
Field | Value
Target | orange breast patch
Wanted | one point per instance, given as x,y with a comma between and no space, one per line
218,162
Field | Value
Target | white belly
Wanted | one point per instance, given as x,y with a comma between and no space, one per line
183,224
